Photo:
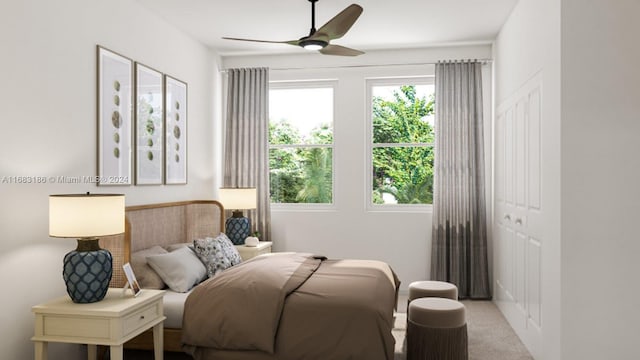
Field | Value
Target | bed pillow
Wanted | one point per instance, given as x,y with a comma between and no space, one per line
230,249
146,276
176,246
180,269
217,254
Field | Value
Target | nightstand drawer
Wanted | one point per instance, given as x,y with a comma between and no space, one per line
141,318
67,326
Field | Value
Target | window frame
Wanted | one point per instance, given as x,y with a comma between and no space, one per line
309,84
370,145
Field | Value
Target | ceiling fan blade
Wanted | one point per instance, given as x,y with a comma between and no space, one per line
340,50
340,24
290,42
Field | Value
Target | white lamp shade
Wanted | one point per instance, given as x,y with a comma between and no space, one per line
238,198
86,215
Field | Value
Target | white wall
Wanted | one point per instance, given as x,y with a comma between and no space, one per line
600,177
403,239
528,46
588,55
48,102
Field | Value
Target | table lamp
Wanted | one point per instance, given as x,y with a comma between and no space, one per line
237,226
87,270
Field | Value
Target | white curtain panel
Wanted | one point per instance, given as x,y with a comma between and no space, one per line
246,158
459,234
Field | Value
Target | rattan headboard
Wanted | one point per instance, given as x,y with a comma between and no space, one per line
161,224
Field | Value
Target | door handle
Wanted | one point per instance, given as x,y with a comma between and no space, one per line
518,221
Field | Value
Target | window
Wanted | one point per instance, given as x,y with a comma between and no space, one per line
401,143
301,142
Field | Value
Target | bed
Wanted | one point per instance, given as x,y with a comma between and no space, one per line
277,306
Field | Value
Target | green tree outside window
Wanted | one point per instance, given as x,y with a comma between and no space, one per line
403,146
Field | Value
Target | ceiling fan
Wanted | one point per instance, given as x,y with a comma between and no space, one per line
320,39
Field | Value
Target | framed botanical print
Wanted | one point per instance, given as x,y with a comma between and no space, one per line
115,117
149,139
176,131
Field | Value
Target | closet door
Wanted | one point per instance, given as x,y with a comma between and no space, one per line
517,205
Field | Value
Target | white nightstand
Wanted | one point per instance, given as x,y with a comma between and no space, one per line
248,252
112,322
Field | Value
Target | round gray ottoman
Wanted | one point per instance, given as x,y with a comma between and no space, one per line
437,330
430,288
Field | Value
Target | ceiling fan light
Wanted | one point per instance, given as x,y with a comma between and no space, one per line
313,44
313,47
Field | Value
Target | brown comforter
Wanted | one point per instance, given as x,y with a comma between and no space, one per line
293,306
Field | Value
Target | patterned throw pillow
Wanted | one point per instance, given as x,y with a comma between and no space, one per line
229,249
217,254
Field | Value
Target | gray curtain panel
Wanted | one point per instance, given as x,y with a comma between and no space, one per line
459,234
246,158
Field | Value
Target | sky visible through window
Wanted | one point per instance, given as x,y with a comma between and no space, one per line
303,108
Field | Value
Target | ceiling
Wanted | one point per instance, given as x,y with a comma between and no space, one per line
384,24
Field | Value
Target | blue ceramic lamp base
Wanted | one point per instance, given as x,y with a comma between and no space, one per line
237,229
87,271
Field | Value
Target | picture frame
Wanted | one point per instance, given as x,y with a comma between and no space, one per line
149,130
132,282
114,117
176,121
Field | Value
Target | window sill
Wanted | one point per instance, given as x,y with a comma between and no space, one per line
422,209
303,207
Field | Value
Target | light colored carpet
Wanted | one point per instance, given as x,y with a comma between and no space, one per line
490,336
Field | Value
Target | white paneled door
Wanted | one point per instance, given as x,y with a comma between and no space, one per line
519,236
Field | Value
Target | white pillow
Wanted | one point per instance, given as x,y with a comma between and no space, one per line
146,276
176,246
180,269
